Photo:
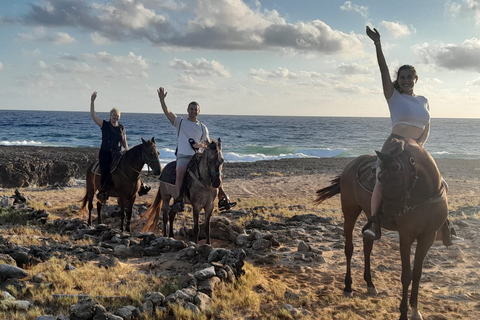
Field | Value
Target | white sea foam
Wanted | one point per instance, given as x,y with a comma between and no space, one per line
20,143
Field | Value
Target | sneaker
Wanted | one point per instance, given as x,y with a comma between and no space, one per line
178,206
225,205
102,197
454,239
372,231
144,189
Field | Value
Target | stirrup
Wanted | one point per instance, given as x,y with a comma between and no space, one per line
225,205
369,232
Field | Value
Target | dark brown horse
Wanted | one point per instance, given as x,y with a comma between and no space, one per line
126,181
414,204
201,183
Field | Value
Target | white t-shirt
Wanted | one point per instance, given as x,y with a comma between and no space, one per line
187,129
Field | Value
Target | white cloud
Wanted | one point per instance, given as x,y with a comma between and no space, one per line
42,65
349,6
99,39
129,60
397,29
42,35
200,67
215,24
352,68
465,56
1,66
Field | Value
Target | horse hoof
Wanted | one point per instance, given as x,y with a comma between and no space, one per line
416,315
372,291
348,294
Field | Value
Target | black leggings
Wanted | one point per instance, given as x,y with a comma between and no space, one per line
105,160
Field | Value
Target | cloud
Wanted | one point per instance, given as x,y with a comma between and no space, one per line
201,67
42,35
211,24
397,29
349,6
465,56
42,65
131,60
1,66
353,68
465,8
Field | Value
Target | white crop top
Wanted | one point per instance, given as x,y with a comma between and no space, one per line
411,110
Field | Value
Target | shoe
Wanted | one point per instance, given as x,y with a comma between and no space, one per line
144,189
454,239
102,197
372,231
225,205
177,206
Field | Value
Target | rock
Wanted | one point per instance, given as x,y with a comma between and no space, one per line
261,244
84,309
20,305
303,247
203,301
11,272
128,312
156,298
46,318
205,273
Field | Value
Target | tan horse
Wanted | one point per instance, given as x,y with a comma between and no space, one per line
201,183
414,204
126,180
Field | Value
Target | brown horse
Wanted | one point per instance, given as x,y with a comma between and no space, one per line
125,178
414,204
201,183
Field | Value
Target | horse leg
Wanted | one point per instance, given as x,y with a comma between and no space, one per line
99,212
90,207
129,212
171,215
121,202
350,217
367,274
423,245
208,214
196,229
165,210
405,246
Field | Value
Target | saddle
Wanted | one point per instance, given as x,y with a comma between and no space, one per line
366,173
113,165
169,173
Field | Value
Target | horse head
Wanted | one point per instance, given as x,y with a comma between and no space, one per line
214,162
150,155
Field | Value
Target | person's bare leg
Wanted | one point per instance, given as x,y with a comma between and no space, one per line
374,229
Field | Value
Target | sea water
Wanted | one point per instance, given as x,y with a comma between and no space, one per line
244,138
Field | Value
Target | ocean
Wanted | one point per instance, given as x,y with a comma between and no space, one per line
244,138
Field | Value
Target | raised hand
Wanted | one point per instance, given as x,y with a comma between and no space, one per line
373,34
161,93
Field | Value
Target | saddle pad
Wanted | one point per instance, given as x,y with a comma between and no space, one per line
169,173
366,173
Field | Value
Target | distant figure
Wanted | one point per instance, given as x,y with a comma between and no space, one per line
114,138
410,115
191,135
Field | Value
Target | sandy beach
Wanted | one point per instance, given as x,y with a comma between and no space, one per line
449,288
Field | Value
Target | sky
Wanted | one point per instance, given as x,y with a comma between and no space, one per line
237,57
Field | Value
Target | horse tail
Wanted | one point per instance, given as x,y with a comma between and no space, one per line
328,192
152,215
89,187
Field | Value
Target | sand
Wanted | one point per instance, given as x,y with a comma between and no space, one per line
450,287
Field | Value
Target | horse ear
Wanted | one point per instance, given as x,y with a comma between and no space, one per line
143,141
383,156
219,144
153,139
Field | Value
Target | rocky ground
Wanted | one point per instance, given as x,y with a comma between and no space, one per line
291,240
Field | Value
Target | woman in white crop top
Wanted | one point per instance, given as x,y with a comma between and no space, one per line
410,117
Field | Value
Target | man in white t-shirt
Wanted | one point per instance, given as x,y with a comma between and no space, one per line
191,135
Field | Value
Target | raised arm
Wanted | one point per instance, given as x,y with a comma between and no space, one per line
93,114
386,79
161,95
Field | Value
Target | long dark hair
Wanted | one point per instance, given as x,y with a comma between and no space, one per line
404,67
